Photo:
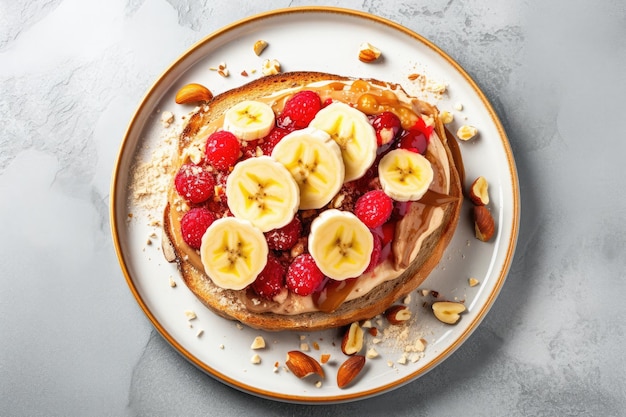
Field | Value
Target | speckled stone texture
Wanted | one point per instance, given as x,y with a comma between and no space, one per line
74,341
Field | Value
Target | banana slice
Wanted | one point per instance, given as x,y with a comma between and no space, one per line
314,160
233,252
340,244
263,192
354,134
249,120
405,175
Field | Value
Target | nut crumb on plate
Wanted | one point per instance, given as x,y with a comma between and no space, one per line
258,343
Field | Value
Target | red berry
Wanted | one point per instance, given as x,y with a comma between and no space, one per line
375,257
413,140
194,183
267,146
285,237
271,280
416,138
299,110
373,208
222,150
303,275
193,225
248,148
387,126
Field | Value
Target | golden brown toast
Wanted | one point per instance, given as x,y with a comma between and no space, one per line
406,267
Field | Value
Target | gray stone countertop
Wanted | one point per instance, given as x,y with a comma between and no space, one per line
74,342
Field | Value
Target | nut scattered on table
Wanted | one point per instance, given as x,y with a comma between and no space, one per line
349,370
466,132
368,52
448,312
259,46
397,314
352,341
484,225
302,365
193,93
479,192
258,343
271,67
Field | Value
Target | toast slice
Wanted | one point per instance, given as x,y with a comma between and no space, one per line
419,241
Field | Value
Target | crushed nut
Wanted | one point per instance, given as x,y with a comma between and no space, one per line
466,132
446,117
473,282
371,353
368,52
259,46
258,343
270,67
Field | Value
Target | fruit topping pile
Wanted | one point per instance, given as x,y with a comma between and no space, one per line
304,201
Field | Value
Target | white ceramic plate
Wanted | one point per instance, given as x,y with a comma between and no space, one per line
316,39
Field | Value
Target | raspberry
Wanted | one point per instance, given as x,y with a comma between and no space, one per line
299,110
248,148
375,257
271,280
416,138
373,208
303,275
194,183
193,225
387,126
285,237
222,150
272,139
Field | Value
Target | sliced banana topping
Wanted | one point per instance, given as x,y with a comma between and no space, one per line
263,192
233,252
354,134
405,175
249,120
314,160
340,244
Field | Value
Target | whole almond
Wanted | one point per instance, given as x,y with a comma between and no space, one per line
484,225
349,370
302,365
193,93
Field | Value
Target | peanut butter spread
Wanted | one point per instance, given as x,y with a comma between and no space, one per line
421,218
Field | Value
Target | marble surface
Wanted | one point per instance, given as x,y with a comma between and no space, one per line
75,343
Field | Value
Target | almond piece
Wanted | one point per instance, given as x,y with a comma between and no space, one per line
397,314
258,343
484,225
466,132
349,370
259,46
270,67
193,93
352,341
368,52
448,312
479,192
302,365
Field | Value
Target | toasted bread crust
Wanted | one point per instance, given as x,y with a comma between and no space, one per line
229,304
